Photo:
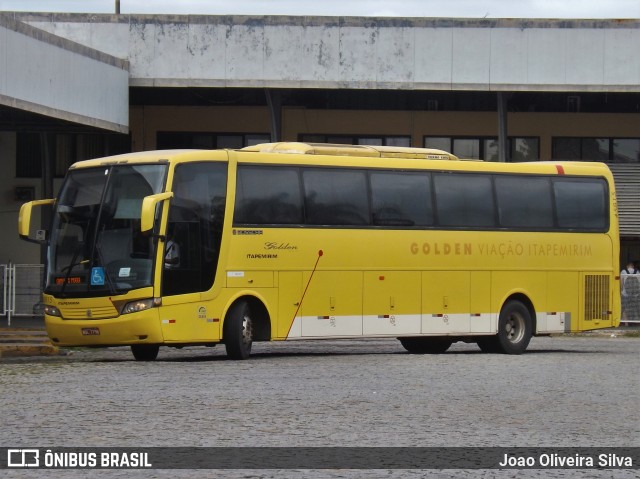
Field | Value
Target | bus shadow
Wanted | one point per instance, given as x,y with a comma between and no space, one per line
190,357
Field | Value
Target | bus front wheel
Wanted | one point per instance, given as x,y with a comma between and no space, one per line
238,331
145,352
426,345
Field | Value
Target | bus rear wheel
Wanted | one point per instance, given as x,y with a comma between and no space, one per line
426,345
514,330
238,331
145,352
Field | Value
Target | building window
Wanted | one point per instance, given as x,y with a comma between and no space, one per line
524,149
607,150
486,148
167,140
438,143
358,140
467,148
625,150
64,150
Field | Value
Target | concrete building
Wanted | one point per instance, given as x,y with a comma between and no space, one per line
77,86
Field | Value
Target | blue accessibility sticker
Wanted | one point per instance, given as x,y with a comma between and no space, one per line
97,276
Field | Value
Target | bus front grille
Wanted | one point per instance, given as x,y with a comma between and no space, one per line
102,312
596,297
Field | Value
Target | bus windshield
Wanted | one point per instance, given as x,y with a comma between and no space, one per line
96,246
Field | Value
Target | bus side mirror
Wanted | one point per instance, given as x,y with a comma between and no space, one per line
24,221
148,212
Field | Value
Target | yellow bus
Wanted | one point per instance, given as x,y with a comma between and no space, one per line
290,241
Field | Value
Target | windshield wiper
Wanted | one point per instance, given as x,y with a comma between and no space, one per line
72,265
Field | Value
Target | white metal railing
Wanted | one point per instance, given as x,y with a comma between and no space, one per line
4,271
630,285
21,289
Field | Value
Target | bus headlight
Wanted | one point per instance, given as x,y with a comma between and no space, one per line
52,311
138,305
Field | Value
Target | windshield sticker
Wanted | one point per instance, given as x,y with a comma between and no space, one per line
97,276
124,272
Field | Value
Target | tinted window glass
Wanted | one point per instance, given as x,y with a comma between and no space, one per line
566,148
581,204
524,202
464,200
525,149
194,231
336,197
626,150
466,147
401,199
268,195
595,149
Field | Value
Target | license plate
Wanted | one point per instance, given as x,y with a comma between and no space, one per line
90,332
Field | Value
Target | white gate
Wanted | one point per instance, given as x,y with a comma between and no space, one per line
21,290
4,271
630,299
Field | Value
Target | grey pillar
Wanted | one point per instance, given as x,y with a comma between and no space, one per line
274,102
47,167
503,143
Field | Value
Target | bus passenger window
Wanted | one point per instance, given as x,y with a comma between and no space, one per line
581,204
524,202
266,195
401,199
464,200
336,197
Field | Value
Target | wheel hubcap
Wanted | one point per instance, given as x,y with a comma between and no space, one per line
247,331
515,328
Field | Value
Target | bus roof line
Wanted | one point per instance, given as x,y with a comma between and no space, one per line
330,149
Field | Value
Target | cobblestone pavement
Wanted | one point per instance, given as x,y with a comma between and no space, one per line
565,391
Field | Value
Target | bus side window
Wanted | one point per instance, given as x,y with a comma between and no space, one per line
464,200
401,199
267,195
336,197
524,202
581,203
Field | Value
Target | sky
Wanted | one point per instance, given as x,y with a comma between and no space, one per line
373,8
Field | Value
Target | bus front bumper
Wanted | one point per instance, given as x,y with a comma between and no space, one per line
135,328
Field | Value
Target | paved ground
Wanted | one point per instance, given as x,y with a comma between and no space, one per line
566,391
